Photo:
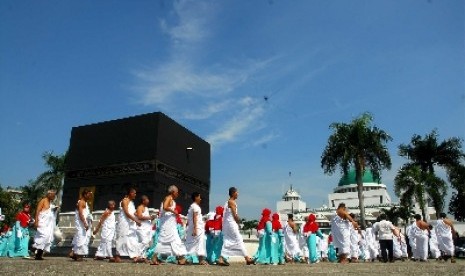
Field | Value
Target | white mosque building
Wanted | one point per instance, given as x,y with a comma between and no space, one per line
375,194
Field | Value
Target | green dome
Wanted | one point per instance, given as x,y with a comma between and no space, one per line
349,179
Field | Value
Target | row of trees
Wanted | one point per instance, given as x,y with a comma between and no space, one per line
51,179
361,145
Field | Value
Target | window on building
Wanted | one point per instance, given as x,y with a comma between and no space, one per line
332,203
380,199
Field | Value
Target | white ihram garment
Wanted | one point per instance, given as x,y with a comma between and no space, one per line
144,232
421,240
233,244
195,245
340,229
372,244
445,240
291,242
82,236
127,243
354,242
44,236
106,237
169,242
433,245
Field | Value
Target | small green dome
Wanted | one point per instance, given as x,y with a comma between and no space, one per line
349,178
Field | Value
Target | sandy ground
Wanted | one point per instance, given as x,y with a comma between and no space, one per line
66,266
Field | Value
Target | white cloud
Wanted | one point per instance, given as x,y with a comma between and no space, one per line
250,111
186,87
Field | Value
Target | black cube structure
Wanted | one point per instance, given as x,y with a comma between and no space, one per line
148,152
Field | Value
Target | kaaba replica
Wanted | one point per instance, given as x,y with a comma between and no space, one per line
148,152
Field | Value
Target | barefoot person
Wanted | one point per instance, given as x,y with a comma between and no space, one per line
107,223
169,242
233,244
420,230
127,243
340,230
195,233
144,231
445,232
291,241
82,220
45,224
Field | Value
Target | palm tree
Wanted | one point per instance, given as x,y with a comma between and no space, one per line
457,202
53,177
357,144
408,186
427,153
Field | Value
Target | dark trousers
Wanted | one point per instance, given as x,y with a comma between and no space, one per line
386,245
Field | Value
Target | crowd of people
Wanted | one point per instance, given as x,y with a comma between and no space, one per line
164,238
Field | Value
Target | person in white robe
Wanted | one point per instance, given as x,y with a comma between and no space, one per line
420,231
354,241
411,238
433,244
195,232
340,230
323,247
372,244
107,223
144,231
127,243
302,243
45,224
291,240
445,233
83,222
169,241
233,243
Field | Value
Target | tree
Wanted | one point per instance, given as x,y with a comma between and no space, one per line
413,185
457,202
357,144
427,153
52,178
9,207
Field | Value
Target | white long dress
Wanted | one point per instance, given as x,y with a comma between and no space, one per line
127,243
169,242
445,239
291,242
195,245
106,237
340,229
82,237
233,244
144,232
44,236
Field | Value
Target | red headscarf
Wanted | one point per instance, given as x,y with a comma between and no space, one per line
265,218
311,225
276,223
178,217
218,221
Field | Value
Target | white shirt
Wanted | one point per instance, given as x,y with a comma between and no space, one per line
384,229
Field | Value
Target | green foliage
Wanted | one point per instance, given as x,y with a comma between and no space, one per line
425,153
357,144
457,202
249,224
52,178
10,207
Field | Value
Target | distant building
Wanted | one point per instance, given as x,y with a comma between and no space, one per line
149,152
17,195
375,194
291,203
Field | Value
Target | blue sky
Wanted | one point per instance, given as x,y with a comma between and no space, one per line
210,65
